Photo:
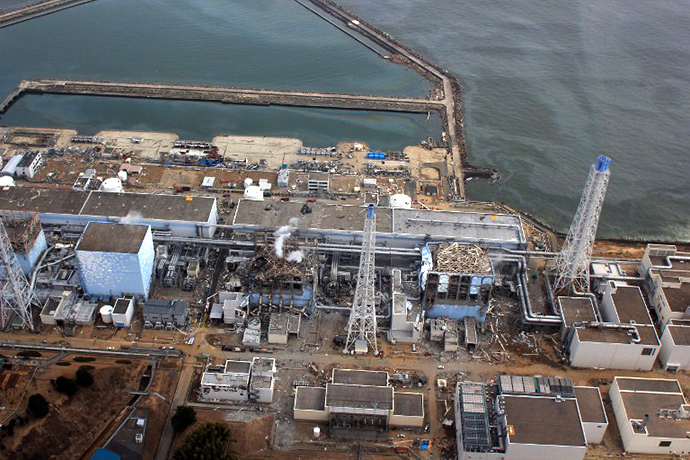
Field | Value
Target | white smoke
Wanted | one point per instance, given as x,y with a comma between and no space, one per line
282,234
132,217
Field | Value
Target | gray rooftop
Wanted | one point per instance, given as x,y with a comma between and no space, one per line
576,309
355,396
679,334
159,306
27,159
591,407
630,305
239,367
105,204
121,306
638,404
471,227
655,385
544,421
409,404
119,238
608,335
360,377
310,398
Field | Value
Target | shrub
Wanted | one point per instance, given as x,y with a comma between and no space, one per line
123,361
210,440
184,416
66,386
38,405
84,359
83,377
63,363
29,354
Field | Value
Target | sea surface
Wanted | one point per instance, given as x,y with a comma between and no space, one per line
547,86
257,44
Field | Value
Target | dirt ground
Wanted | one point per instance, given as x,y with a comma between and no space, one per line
73,423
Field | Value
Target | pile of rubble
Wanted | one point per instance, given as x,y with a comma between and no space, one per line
463,258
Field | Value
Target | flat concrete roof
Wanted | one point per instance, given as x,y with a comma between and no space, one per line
470,227
576,309
121,306
310,398
655,385
409,404
158,207
679,334
544,421
360,377
678,298
40,200
118,238
637,405
591,406
593,334
105,204
238,367
323,216
630,305
357,397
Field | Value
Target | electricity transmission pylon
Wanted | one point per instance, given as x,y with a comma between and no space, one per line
16,296
572,263
361,328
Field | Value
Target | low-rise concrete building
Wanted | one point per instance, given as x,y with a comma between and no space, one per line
165,314
520,418
675,346
594,419
407,318
668,273
359,399
123,310
618,334
652,415
30,164
241,381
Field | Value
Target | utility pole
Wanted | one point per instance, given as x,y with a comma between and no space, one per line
361,328
573,262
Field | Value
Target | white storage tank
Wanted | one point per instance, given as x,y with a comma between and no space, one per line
317,432
122,175
112,184
106,312
253,193
6,181
248,181
400,201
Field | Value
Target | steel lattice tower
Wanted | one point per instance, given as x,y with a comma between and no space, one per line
361,328
16,294
572,263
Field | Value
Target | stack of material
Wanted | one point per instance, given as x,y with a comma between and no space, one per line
463,258
265,266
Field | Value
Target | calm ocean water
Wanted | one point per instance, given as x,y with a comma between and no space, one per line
547,86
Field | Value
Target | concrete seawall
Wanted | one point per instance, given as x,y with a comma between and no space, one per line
35,10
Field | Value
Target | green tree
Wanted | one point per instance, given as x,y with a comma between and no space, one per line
66,385
184,416
83,377
38,405
209,441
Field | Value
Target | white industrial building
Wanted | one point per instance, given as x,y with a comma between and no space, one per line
359,399
29,165
281,326
241,381
675,346
116,259
407,318
165,314
183,216
67,310
592,412
652,415
522,418
233,304
122,313
618,334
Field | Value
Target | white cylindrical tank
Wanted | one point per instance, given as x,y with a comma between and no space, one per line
248,181
122,175
112,184
107,314
400,200
253,193
317,432
6,181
